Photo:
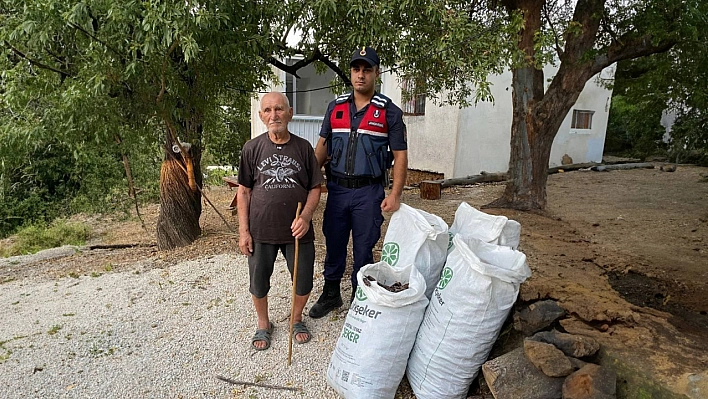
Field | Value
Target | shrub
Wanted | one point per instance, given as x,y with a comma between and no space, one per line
37,237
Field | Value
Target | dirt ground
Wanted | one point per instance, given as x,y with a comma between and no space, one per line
624,252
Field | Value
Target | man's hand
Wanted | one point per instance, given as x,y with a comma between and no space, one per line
391,203
300,226
245,243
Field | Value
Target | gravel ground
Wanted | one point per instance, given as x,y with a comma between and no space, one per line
157,333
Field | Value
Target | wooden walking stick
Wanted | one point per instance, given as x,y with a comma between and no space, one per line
292,306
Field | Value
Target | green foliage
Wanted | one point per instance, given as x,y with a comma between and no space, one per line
214,177
670,82
83,83
37,237
633,130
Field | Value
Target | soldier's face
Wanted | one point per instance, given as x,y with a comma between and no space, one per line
364,77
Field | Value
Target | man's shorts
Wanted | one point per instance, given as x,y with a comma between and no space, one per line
261,264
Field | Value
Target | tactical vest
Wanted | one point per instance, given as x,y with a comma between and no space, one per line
364,151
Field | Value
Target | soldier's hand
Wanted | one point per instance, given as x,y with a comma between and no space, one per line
391,203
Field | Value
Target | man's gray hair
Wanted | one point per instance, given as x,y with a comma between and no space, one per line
285,97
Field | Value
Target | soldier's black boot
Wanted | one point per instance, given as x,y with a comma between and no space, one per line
353,294
330,299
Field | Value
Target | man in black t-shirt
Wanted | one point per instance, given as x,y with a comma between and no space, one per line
277,170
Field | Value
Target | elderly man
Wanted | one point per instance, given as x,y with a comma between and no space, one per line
277,170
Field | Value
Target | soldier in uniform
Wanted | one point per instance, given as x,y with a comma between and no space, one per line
362,135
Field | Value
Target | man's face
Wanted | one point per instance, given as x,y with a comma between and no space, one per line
275,113
364,77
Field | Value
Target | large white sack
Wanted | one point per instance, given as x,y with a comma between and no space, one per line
370,357
476,291
420,238
493,229
471,222
510,234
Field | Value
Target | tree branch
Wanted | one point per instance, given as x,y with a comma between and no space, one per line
559,50
627,48
84,31
315,56
35,62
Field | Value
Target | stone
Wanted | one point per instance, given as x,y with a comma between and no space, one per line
537,316
572,345
591,382
694,385
566,160
512,376
547,358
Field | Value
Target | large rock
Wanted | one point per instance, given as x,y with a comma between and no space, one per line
537,316
547,358
695,385
512,376
591,382
572,345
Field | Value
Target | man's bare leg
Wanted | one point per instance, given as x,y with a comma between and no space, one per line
261,305
300,301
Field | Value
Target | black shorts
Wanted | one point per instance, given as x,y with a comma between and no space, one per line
261,264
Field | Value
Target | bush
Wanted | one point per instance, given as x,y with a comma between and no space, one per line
34,238
213,177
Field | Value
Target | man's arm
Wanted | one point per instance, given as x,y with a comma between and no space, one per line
400,168
321,151
245,241
301,225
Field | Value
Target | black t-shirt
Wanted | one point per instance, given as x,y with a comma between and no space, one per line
280,176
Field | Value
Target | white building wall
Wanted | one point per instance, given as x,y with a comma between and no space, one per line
479,136
585,145
432,138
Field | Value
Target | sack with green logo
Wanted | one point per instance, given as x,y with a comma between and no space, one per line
417,237
493,229
476,291
370,357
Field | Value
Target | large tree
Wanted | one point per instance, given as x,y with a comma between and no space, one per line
448,48
154,72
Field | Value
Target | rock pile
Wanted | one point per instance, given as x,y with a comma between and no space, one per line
551,364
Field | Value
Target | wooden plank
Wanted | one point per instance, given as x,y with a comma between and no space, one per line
573,166
231,181
624,166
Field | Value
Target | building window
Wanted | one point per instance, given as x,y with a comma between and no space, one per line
416,104
309,95
582,119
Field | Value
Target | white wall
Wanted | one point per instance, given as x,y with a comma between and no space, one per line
432,138
479,136
585,145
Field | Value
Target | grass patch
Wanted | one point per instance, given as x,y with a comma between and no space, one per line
34,238
55,329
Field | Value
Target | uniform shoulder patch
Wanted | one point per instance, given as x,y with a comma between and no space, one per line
379,100
343,98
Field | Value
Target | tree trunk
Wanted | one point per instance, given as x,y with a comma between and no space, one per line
530,146
180,206
537,116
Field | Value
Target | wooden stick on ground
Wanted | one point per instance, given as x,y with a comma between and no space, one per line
292,306
255,384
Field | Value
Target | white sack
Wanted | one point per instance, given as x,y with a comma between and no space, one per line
476,291
370,357
493,229
420,238
510,234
